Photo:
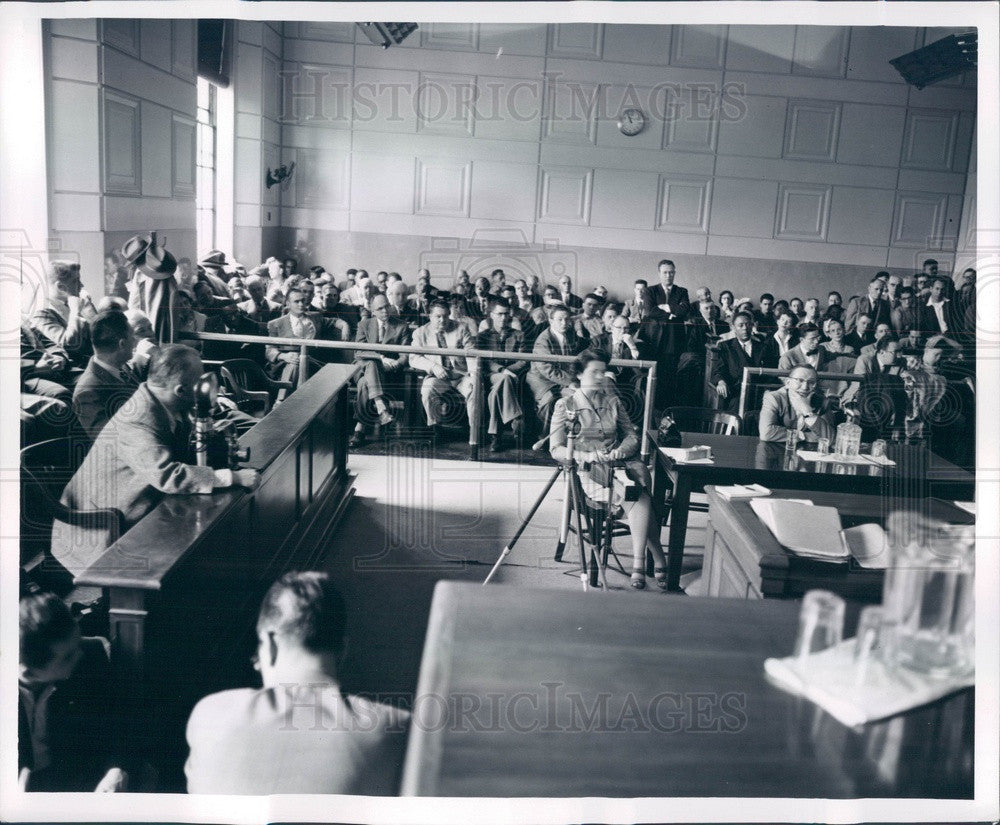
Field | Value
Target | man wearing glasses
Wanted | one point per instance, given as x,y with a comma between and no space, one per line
796,406
504,399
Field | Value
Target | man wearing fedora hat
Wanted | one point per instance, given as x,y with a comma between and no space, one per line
65,321
153,287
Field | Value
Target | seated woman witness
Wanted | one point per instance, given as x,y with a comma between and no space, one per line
796,406
607,435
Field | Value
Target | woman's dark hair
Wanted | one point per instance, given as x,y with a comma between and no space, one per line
44,622
588,356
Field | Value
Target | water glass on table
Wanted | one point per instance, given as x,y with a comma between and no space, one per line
821,623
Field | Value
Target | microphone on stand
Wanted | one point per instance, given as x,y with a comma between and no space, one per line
206,393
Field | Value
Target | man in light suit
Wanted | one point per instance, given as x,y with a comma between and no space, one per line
742,350
108,381
504,394
444,373
283,359
65,320
547,380
874,304
807,351
139,457
300,733
798,407
382,377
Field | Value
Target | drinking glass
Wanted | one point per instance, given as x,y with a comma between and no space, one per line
821,623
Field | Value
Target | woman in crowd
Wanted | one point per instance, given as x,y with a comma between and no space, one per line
726,305
606,435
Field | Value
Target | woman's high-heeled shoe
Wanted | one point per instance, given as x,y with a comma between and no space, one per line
660,574
638,581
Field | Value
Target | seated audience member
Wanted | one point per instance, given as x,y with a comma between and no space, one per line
601,292
66,739
834,306
359,294
145,343
566,296
779,307
283,359
109,380
640,304
531,315
399,306
892,288
740,351
836,345
479,304
797,308
811,313
863,334
444,374
330,306
965,294
922,287
187,319
925,390
503,399
546,379
237,289
111,302
588,323
462,278
382,377
44,367
703,293
139,457
535,286
727,305
881,396
764,316
207,301
629,382
213,272
796,406
498,279
229,320
300,733
874,303
459,314
906,315
882,329
421,300
65,320
611,310
381,280
781,340
938,314
258,307
186,274
606,434
807,351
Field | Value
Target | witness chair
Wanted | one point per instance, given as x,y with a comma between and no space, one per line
250,387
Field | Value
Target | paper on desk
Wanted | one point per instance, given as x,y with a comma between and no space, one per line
678,453
830,679
739,491
968,506
813,533
869,544
836,458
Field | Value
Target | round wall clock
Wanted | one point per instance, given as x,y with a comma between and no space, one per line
631,122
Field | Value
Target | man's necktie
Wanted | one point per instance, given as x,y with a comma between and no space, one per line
380,335
443,344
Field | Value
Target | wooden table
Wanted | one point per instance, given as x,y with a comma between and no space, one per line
740,459
557,693
744,560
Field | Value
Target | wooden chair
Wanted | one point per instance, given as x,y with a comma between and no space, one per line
46,468
250,386
704,420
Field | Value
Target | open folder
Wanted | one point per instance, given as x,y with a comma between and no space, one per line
805,529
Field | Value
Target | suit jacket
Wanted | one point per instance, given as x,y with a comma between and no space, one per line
99,394
677,297
661,337
930,325
80,735
777,416
795,357
730,359
903,320
261,314
772,350
489,339
881,312
633,313
397,333
456,336
322,328
239,324
51,323
305,739
136,460
544,376
571,300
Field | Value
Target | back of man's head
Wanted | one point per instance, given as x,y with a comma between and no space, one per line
171,365
305,609
108,330
44,622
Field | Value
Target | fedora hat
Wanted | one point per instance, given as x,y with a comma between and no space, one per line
157,263
134,249
215,258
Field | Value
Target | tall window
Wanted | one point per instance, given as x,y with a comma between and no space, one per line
207,144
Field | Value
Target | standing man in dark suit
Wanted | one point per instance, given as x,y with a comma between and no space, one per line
382,377
108,381
874,304
504,393
733,355
669,297
547,379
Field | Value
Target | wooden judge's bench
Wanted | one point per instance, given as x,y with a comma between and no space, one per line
185,583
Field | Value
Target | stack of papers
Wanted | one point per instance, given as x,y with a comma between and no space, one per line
869,544
689,455
837,458
832,680
804,529
738,491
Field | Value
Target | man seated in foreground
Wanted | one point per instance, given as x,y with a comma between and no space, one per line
139,457
65,736
299,733
796,406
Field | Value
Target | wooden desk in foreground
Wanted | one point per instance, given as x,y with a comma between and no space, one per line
743,559
555,693
186,581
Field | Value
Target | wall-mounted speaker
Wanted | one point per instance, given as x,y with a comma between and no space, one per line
940,60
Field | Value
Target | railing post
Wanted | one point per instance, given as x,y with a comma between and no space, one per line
303,363
476,405
647,413
743,392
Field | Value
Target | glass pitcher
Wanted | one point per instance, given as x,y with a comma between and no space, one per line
928,594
